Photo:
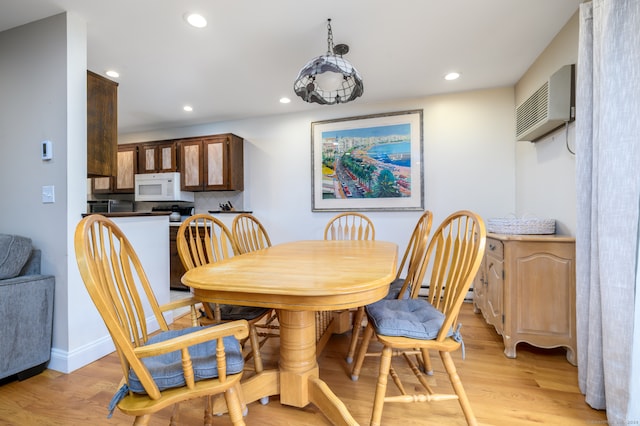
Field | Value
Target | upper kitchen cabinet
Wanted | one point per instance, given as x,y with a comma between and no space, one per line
157,157
127,167
212,163
102,125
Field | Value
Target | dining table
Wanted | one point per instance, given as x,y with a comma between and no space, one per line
298,279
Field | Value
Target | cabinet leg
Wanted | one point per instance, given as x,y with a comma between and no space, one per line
509,348
476,310
571,356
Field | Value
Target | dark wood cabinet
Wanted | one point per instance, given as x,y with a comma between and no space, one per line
102,126
176,270
212,163
126,168
157,157
102,185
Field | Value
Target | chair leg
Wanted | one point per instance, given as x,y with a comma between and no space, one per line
175,416
142,420
255,348
208,410
355,332
458,388
362,352
381,387
426,362
234,407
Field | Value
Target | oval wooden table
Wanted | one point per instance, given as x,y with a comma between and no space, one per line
298,279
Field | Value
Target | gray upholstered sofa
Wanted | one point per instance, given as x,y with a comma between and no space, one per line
26,309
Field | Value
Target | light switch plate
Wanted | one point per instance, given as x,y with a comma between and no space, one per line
48,194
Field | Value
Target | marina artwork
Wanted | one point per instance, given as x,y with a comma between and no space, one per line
368,162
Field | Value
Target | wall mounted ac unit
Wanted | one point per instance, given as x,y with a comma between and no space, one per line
549,107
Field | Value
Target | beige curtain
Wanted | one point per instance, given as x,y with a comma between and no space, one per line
608,186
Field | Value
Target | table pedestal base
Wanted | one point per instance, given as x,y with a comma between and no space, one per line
296,380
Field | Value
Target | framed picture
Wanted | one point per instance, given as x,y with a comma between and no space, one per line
371,162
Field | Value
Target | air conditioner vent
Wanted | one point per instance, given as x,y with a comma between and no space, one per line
547,108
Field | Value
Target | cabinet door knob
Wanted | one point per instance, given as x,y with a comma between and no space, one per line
492,247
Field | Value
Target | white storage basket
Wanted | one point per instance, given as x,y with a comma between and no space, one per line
526,226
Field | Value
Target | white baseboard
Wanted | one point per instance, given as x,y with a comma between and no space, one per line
69,361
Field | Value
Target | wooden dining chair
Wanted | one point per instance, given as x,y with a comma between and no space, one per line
350,226
203,239
344,226
410,271
250,235
417,325
167,367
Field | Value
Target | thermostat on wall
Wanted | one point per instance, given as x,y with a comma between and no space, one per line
47,150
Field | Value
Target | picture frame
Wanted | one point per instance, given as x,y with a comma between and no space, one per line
366,163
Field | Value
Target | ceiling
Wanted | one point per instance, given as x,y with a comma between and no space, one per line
247,58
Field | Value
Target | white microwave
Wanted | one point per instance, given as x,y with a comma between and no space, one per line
160,187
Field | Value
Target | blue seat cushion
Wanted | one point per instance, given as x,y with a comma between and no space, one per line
414,318
166,369
394,289
235,312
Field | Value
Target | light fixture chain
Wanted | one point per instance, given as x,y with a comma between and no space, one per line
329,38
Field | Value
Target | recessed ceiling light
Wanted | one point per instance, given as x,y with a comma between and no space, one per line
187,108
285,100
195,20
113,74
452,76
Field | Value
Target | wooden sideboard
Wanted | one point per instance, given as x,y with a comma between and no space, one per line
525,288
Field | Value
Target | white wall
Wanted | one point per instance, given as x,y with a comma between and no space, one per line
43,90
545,178
468,162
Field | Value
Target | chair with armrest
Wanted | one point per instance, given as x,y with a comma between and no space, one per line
413,261
417,325
203,239
165,368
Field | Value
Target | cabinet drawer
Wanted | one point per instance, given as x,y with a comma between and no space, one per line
495,247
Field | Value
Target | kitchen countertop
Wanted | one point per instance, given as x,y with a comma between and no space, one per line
130,214
230,211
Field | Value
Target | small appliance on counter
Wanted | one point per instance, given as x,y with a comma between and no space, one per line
178,213
109,206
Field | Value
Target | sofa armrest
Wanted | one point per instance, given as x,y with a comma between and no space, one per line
26,304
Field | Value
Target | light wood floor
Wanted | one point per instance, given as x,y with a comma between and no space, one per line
539,387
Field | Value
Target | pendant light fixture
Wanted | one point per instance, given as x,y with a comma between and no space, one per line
329,79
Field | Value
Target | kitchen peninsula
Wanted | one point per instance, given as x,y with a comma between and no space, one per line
147,232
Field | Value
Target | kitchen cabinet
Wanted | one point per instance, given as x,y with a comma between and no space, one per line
102,126
127,168
102,185
525,288
212,163
157,157
123,182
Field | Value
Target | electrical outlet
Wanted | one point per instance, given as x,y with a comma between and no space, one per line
48,194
